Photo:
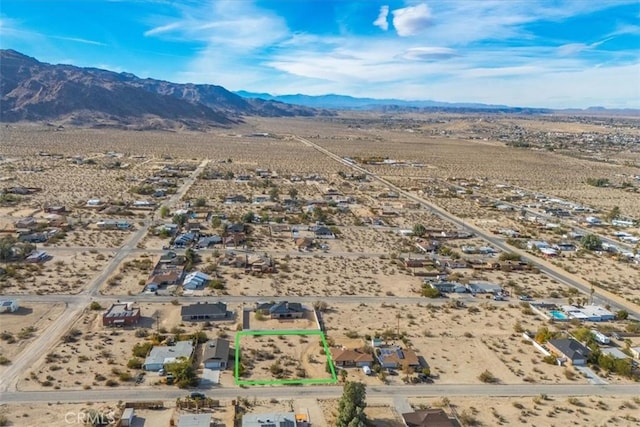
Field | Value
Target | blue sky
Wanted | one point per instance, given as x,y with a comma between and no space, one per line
551,53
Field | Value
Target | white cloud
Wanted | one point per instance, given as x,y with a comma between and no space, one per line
163,29
247,47
429,53
382,22
411,20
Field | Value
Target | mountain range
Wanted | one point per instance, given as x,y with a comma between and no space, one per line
35,91
31,90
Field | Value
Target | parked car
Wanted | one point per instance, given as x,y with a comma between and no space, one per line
525,298
195,395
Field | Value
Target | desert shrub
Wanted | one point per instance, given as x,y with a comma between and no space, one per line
134,363
142,349
488,377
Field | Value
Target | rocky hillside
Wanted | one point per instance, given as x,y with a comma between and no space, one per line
34,91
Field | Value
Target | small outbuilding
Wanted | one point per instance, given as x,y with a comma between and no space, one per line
9,306
126,420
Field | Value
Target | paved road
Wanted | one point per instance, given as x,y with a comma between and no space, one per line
294,392
249,299
604,297
75,304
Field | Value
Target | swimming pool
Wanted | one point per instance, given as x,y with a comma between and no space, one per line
558,315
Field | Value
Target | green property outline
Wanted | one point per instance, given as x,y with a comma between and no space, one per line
332,380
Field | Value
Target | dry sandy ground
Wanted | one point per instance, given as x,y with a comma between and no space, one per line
458,345
378,414
283,357
34,415
539,412
19,329
67,272
97,354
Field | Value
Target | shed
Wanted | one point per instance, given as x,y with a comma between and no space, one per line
9,306
194,420
126,420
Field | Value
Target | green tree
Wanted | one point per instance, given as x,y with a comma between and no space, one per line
509,256
183,373
201,202
351,406
419,230
6,248
179,219
614,214
248,217
164,211
591,242
274,193
622,315
429,292
293,193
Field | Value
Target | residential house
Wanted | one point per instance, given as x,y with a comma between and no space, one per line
121,314
448,287
591,313
33,238
323,232
261,198
344,358
113,224
9,306
193,227
185,239
484,288
58,210
235,228
288,419
304,244
143,204
194,420
94,203
235,239
614,352
196,280
574,352
205,311
236,198
281,310
414,263
215,354
208,241
395,357
27,223
171,229
261,264
167,278
159,356
37,256
432,417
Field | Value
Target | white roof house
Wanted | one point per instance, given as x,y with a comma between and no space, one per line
196,280
161,355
